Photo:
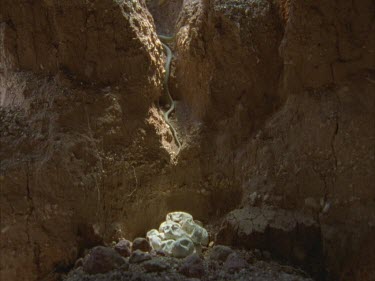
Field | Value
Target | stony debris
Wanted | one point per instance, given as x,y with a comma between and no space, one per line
220,253
101,260
240,265
141,244
282,230
175,252
123,247
138,256
193,266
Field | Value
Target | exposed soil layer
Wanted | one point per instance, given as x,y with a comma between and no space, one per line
314,155
275,110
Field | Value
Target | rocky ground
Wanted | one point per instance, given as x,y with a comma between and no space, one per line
214,263
163,256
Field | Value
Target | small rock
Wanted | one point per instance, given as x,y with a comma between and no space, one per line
193,266
101,260
123,247
138,256
235,263
156,265
220,253
141,244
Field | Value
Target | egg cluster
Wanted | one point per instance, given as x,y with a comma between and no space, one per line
179,235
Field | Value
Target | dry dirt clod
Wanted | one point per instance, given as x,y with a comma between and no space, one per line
123,247
141,244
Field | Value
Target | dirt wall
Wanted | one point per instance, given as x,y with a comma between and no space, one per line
292,98
77,82
275,111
